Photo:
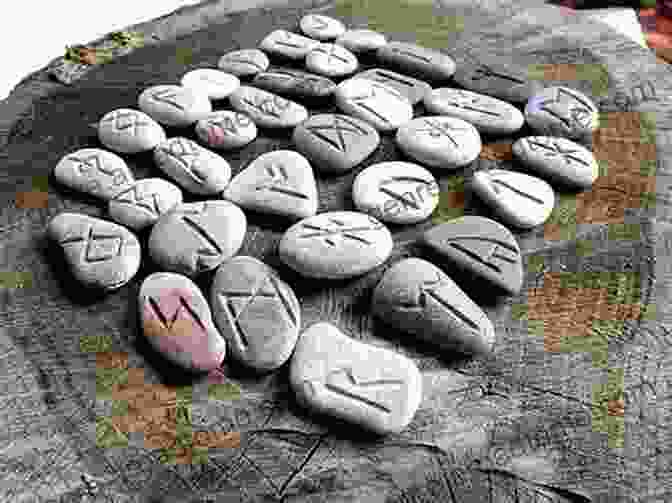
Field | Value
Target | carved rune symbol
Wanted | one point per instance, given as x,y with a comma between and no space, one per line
466,102
497,183
211,250
187,155
331,53
362,101
244,61
383,76
340,229
269,105
343,382
438,129
236,302
126,120
411,54
338,126
403,197
553,149
571,108
484,71
98,247
278,181
149,202
168,96
500,250
93,162
184,305
318,22
429,290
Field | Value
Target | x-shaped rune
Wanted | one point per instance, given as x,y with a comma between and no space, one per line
383,187
126,120
500,250
168,96
337,127
429,290
564,111
437,129
186,154
150,202
553,149
484,71
338,228
184,305
97,254
331,53
278,181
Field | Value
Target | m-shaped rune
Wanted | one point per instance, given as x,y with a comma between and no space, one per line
438,129
98,247
126,120
338,126
186,154
553,149
168,96
338,228
184,305
150,202
278,181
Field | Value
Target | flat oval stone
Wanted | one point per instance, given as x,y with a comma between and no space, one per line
194,168
480,246
287,44
94,171
361,40
174,105
295,83
244,63
267,109
257,313
321,27
561,111
216,84
489,115
177,322
335,245
414,89
331,60
520,200
416,60
374,388
335,143
558,159
396,192
280,182
141,205
382,106
226,130
440,141
417,297
129,131
496,79
197,237
101,254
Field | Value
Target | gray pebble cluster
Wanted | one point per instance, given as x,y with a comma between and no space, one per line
252,314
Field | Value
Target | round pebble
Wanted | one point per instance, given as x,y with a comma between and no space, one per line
244,63
141,205
226,130
331,60
216,84
361,40
321,27
174,105
416,60
561,111
129,131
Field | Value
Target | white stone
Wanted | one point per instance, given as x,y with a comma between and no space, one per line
288,44
362,40
141,205
331,60
129,131
321,27
226,130
172,105
216,84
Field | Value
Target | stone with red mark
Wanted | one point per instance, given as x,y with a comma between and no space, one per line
226,130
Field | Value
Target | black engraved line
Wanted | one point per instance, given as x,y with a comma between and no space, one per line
475,257
517,191
452,309
331,54
390,76
193,314
285,302
441,128
258,106
371,110
288,44
140,201
245,62
562,119
288,192
336,221
330,141
322,23
183,304
474,109
406,179
557,150
188,166
399,197
503,244
577,98
411,54
201,232
485,71
161,96
337,389
240,333
357,238
279,73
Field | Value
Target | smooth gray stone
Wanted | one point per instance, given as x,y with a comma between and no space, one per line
372,387
561,111
335,245
331,60
267,109
416,297
481,246
496,79
335,143
226,130
101,254
440,141
382,106
361,40
197,237
416,60
520,200
94,171
216,84
280,182
558,159
396,192
489,115
129,131
287,44
244,63
141,205
321,27
194,168
177,322
174,105
257,313
294,83
414,89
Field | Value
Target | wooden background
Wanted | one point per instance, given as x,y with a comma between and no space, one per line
528,424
